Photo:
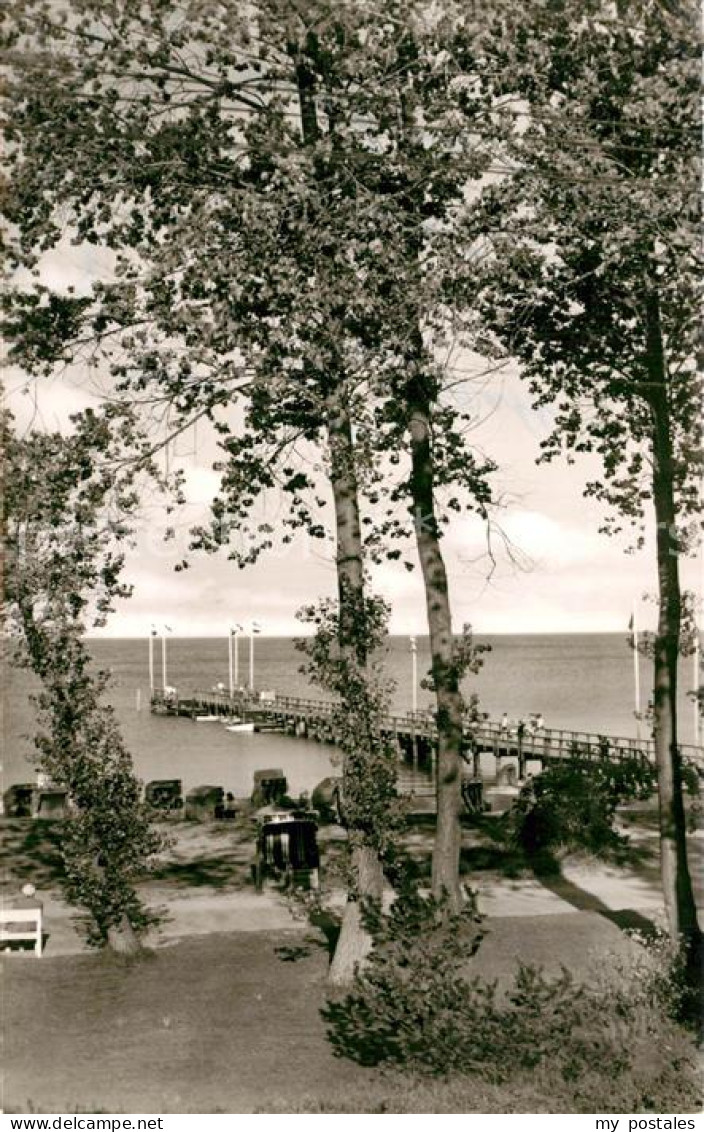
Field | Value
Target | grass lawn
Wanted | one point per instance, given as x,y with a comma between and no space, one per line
230,1023
216,1023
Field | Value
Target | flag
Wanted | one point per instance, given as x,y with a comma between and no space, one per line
155,632
168,628
630,624
256,627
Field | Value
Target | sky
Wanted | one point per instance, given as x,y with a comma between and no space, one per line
562,575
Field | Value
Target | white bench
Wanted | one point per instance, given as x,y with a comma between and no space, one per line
28,925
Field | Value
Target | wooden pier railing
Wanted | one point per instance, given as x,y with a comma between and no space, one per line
483,735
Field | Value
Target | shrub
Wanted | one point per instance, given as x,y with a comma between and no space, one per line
672,1089
416,1004
655,983
405,1004
572,805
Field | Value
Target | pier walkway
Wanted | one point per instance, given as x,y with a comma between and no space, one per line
416,733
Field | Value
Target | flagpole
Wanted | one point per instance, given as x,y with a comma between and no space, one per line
229,650
636,671
414,674
163,657
254,628
237,656
151,660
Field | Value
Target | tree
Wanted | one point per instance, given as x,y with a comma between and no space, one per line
371,807
419,307
381,202
226,174
244,185
594,286
65,517
390,170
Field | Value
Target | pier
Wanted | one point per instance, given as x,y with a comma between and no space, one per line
415,733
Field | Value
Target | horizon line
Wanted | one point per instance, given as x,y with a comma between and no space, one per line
288,636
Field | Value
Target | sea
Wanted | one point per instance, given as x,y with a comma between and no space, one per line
583,682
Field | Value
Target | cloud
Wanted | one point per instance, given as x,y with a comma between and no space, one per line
553,545
573,578
47,407
201,486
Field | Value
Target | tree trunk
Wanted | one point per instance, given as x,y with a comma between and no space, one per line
420,393
676,879
354,942
349,559
450,705
122,938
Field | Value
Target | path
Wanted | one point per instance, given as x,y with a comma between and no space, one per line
592,889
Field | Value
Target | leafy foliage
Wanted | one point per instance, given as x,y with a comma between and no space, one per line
657,978
417,1005
67,514
300,162
405,1005
371,808
572,805
108,838
467,658
278,193
598,228
593,284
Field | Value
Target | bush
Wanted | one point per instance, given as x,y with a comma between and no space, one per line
573,805
656,982
671,1090
405,1004
412,1003
416,1005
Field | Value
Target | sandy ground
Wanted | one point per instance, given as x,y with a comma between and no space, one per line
204,885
